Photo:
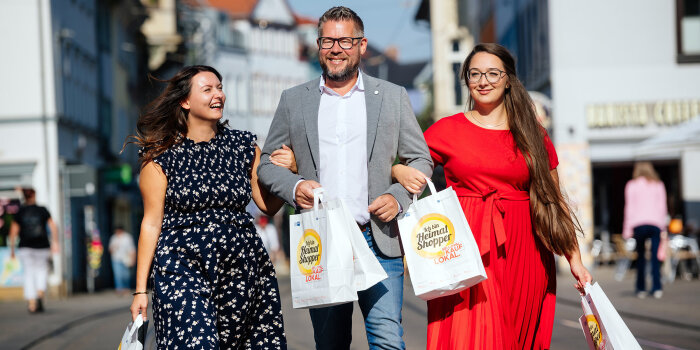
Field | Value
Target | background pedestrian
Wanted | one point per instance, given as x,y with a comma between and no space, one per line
646,215
34,249
123,253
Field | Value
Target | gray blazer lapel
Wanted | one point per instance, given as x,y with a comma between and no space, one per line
311,100
373,102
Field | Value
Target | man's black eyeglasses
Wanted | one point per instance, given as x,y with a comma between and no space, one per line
345,43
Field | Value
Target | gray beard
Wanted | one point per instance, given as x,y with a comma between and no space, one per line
344,75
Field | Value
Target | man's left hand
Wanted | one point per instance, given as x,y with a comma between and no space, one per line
385,207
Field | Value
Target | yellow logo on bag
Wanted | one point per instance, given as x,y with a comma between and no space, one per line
432,234
309,252
596,335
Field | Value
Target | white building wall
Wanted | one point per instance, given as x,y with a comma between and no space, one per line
690,161
28,116
627,54
21,71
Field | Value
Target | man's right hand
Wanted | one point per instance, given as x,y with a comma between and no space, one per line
304,195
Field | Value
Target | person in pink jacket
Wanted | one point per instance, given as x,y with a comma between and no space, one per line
645,218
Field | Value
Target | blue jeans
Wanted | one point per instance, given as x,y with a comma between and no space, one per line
122,275
641,234
381,309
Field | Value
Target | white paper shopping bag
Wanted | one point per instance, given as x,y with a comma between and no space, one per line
368,271
322,273
615,334
134,335
591,328
441,252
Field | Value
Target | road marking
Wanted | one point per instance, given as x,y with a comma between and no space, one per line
649,343
658,345
571,324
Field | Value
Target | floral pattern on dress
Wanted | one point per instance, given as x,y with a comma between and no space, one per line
214,284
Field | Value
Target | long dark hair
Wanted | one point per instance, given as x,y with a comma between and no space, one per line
163,122
553,220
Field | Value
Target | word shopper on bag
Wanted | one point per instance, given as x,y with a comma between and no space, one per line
602,326
324,272
440,249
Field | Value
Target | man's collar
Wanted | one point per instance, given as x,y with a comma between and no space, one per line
359,84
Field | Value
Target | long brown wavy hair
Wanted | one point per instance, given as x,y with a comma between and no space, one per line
554,222
163,122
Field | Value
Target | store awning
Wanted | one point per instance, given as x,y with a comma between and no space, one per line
672,141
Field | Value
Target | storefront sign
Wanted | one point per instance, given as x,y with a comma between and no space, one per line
663,113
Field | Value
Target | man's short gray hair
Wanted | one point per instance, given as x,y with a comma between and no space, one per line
342,13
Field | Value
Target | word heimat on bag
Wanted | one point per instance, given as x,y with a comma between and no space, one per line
443,257
309,252
434,237
332,256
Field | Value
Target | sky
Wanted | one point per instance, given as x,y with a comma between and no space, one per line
387,23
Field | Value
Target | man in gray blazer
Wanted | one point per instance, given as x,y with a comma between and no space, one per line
346,129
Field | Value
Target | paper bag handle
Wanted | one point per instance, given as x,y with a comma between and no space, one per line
431,186
318,197
138,322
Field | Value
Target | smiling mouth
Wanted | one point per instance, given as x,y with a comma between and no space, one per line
217,106
336,60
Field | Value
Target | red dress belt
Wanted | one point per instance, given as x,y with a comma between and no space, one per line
493,213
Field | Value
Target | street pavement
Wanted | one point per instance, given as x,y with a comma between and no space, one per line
97,321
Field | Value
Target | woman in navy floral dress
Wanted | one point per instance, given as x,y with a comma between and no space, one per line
213,283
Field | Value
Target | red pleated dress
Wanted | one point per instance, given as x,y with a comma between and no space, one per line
514,307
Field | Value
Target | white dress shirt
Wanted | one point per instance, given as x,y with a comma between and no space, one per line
342,135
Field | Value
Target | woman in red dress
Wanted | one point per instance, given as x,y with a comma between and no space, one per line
513,205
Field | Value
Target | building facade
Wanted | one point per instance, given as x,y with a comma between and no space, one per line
452,41
257,46
77,71
616,87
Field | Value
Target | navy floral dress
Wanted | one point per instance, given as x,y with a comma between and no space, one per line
214,286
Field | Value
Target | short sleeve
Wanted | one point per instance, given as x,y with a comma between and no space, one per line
162,160
551,152
47,215
253,139
244,142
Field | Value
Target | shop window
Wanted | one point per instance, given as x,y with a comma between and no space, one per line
688,30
